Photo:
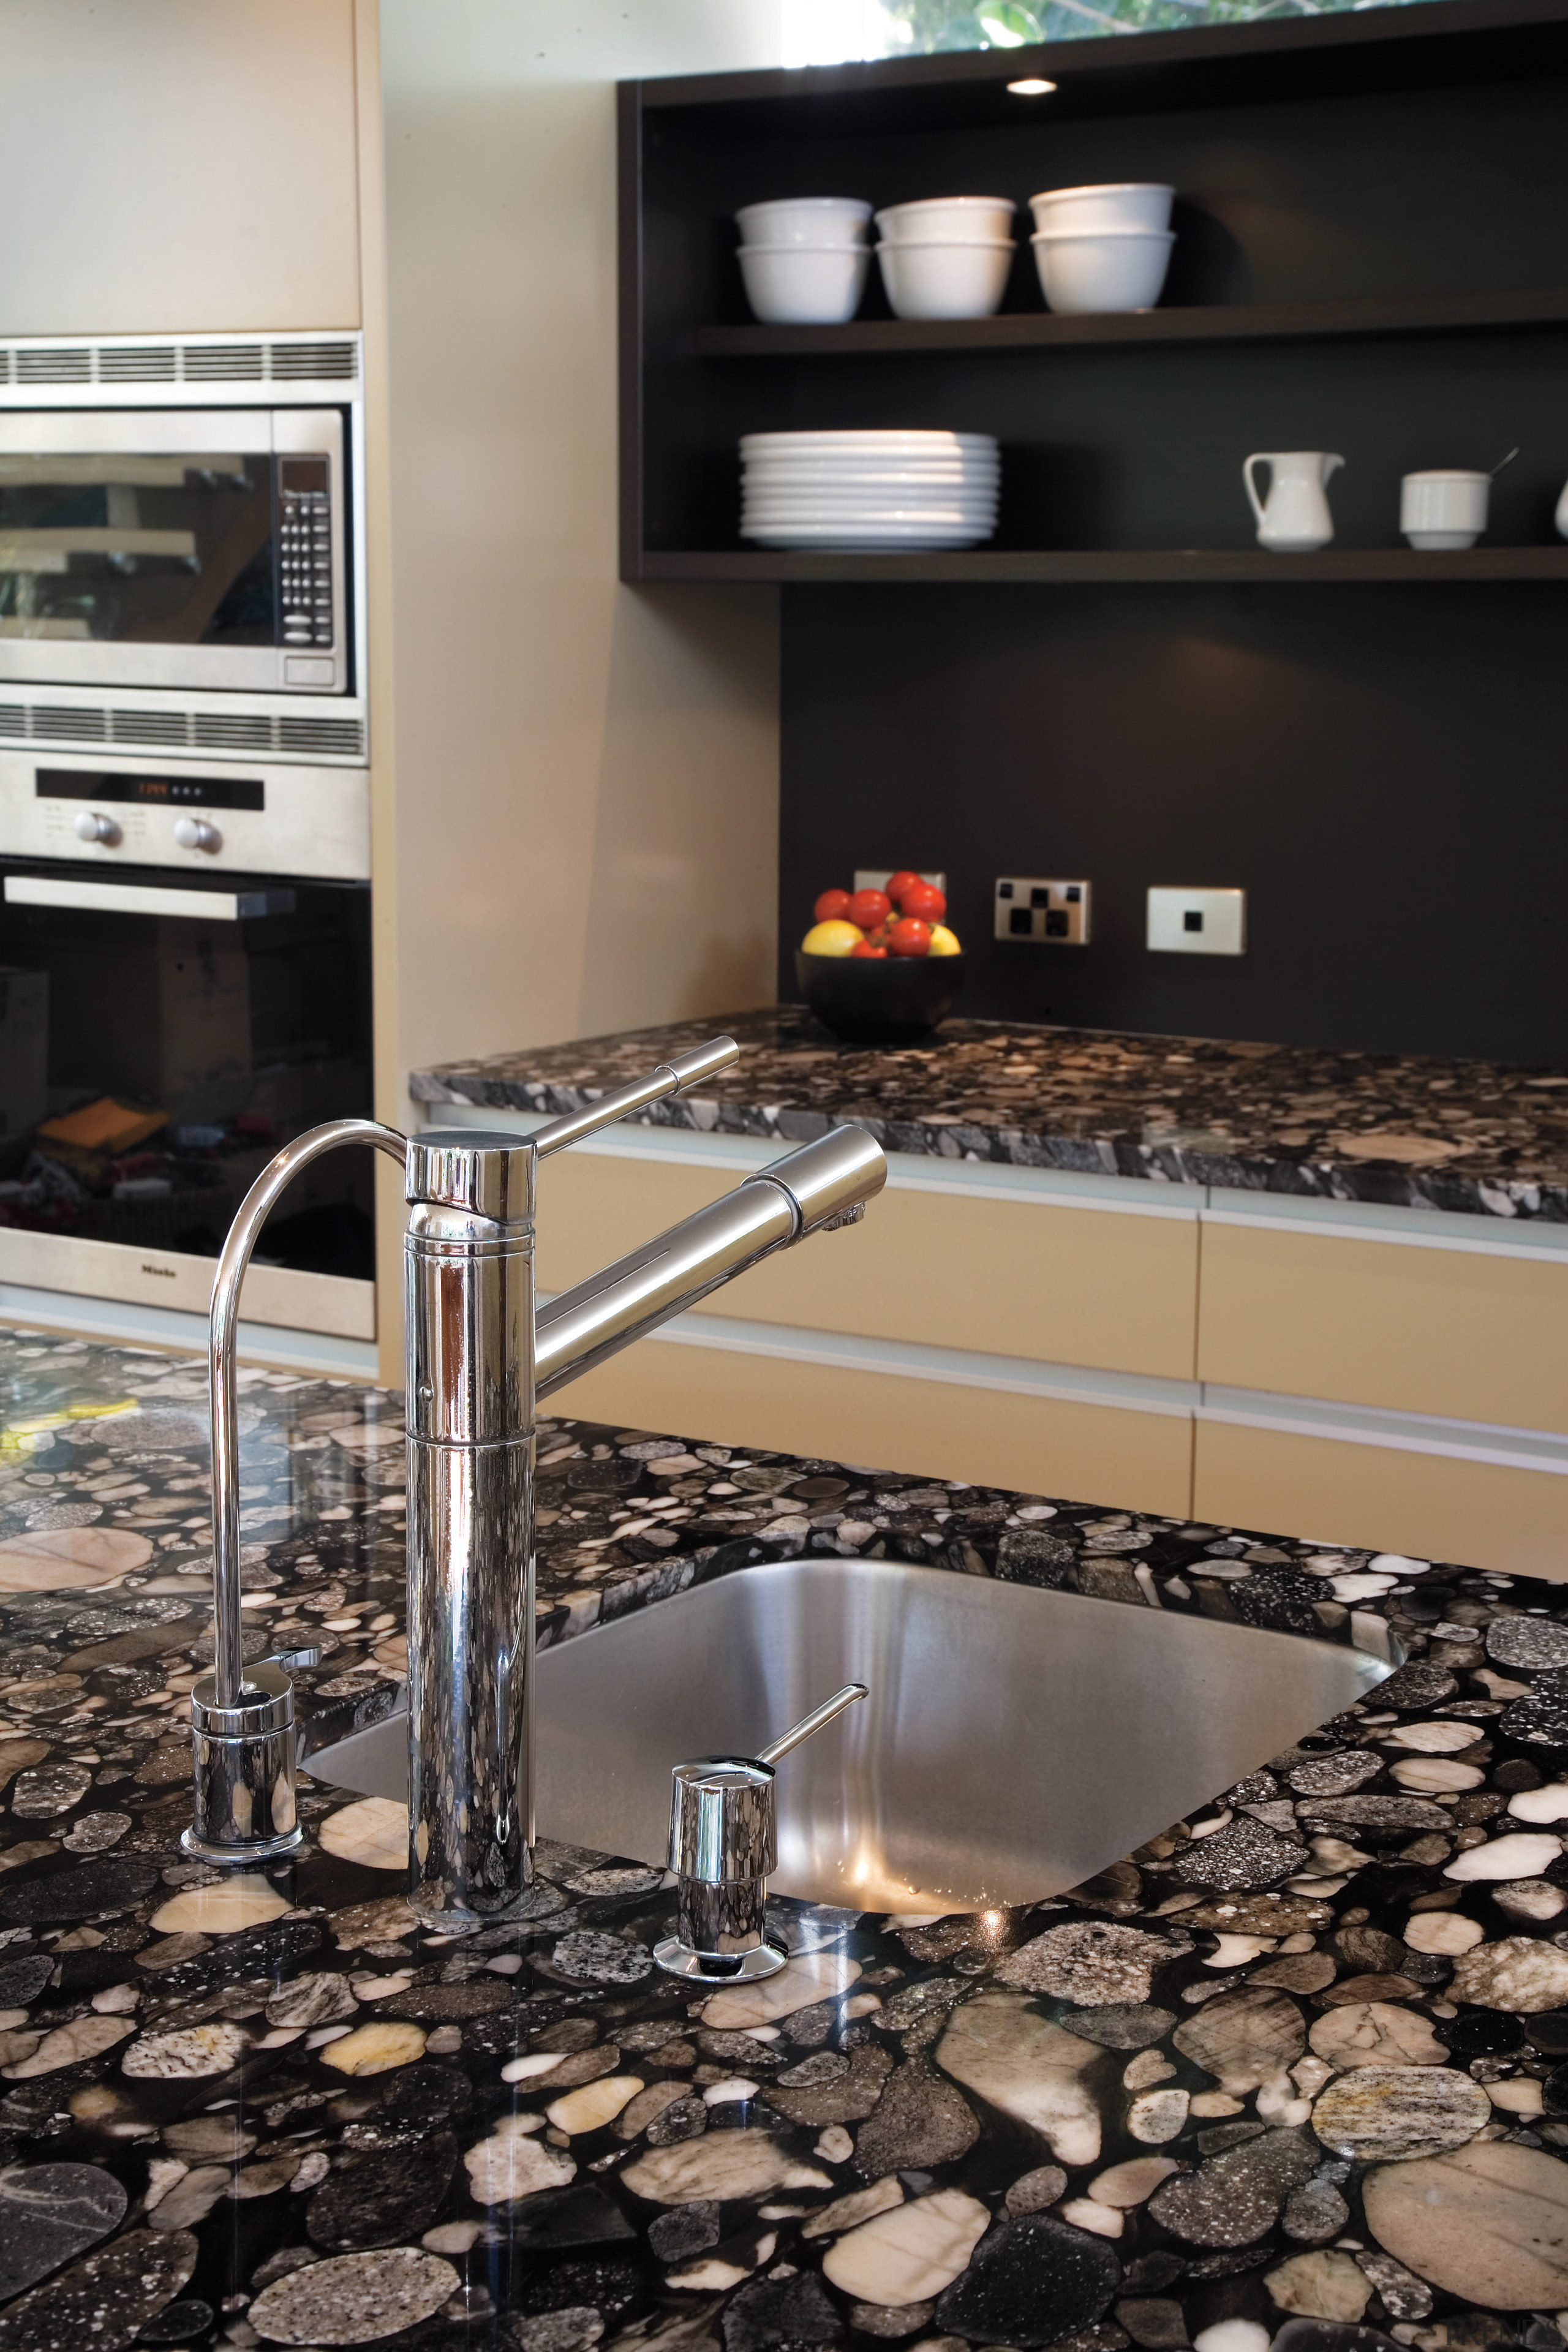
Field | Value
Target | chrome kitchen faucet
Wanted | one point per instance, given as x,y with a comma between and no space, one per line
480,1356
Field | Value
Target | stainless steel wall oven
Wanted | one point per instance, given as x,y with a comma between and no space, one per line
184,826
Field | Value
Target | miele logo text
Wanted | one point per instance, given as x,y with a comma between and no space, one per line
169,1273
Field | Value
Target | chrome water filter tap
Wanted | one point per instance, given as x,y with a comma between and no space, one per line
480,1356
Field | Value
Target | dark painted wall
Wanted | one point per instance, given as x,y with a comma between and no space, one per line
1385,770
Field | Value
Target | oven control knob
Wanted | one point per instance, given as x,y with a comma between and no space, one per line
90,827
195,833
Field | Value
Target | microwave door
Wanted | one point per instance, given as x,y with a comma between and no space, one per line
173,549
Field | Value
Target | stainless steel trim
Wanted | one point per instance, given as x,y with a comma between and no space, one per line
332,1305
136,720
305,366
144,899
315,821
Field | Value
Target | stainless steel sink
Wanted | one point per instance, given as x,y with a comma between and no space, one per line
1015,1740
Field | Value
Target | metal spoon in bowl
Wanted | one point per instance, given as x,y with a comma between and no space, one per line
1501,462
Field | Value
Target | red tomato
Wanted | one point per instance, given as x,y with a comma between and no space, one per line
909,938
899,882
865,949
869,908
924,900
833,906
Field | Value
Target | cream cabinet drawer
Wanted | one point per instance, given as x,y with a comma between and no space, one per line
1471,1335
1427,1505
1033,1277
1042,1445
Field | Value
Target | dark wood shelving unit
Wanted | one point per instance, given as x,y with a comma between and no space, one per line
1321,165
1371,258
1100,567
1249,322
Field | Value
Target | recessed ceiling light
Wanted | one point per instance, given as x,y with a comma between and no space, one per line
1033,89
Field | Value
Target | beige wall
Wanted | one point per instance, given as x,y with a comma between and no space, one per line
177,165
586,775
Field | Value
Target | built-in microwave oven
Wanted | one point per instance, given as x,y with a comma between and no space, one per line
190,548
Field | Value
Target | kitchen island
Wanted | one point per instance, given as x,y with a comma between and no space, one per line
1248,1281
1298,2058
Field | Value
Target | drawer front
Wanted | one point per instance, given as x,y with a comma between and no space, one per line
1114,1291
1416,1328
1429,1506
1125,1459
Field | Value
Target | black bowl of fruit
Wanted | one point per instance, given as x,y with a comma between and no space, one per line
880,967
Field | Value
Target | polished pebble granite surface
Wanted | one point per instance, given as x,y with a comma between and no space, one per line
1297,2071
1395,1129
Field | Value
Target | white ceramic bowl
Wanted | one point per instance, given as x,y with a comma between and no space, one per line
1443,508
937,280
946,220
1119,203
1116,269
804,220
805,285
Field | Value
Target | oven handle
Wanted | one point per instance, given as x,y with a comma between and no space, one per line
145,898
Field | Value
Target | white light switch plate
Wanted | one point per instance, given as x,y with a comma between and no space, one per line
1197,922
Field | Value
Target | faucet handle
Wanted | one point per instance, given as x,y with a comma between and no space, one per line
671,1078
723,1846
476,1171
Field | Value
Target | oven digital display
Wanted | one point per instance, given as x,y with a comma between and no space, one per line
150,792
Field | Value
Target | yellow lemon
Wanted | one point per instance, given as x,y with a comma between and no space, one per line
831,938
942,942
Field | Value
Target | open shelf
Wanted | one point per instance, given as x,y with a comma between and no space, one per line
1257,322
1090,567
1385,148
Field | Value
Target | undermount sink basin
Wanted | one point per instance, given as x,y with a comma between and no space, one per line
1015,1741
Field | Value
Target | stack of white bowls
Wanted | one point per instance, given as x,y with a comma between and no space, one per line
947,257
1103,248
804,258
869,490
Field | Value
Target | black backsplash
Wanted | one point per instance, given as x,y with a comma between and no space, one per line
1381,769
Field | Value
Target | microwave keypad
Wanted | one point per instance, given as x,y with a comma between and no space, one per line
306,565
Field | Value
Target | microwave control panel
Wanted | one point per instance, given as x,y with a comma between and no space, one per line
305,551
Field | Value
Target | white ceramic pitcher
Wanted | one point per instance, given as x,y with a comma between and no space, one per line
1295,518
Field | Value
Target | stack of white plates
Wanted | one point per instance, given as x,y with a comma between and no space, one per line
868,491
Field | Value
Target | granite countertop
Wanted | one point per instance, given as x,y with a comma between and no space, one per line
1297,2062
1395,1129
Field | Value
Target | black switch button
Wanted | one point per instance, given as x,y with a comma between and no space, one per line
1019,922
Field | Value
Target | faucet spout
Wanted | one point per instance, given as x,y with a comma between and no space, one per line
825,1183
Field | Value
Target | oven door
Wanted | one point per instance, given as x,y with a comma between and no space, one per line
160,1039
200,548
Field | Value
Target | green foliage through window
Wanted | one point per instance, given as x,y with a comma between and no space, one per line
927,24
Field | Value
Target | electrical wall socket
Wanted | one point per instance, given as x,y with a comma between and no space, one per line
1197,922
877,878
1048,914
